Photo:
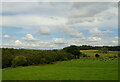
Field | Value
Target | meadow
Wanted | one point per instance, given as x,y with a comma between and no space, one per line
76,69
92,53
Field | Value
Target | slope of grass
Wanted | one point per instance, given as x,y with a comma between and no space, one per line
79,69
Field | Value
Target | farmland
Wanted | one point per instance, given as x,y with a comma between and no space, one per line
92,53
79,69
75,69
69,63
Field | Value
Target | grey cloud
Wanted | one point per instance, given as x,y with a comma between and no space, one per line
44,31
69,31
87,11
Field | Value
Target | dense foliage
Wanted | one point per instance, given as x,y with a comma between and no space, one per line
73,50
19,61
23,57
110,48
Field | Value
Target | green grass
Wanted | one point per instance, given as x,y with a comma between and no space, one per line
79,69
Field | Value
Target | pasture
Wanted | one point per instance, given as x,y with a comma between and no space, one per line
92,53
76,69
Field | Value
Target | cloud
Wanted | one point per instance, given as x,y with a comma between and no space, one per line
24,21
94,39
44,31
59,41
29,37
93,13
69,31
6,36
17,42
97,32
115,42
70,19
91,9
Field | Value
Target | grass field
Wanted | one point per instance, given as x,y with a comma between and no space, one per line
79,69
92,53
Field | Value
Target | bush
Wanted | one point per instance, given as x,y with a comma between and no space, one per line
48,59
19,61
110,57
71,56
84,55
115,56
97,55
7,60
42,61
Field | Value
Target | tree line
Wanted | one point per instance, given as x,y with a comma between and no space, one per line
25,57
88,47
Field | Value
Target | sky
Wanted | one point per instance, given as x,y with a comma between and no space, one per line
54,25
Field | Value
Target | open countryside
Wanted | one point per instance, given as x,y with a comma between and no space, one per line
65,67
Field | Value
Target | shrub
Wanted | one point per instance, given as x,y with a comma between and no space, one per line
7,60
84,55
115,56
19,61
97,55
71,56
30,59
110,57
42,61
48,59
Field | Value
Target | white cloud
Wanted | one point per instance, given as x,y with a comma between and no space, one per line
97,32
115,42
59,41
25,21
17,42
29,37
44,31
69,31
94,39
6,36
68,18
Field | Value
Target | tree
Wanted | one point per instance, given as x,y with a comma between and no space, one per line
73,50
19,61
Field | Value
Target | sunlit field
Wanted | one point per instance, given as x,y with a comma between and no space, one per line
79,69
92,53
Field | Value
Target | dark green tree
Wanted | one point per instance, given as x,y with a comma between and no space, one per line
73,50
